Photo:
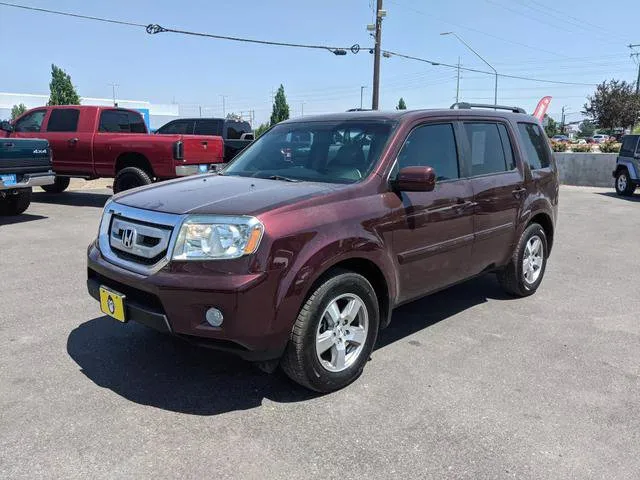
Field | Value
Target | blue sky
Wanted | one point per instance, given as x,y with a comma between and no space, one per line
572,41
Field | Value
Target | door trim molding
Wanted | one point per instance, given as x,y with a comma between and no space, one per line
493,231
435,249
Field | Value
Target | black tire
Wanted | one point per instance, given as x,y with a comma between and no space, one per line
624,185
60,185
300,361
15,204
512,277
130,177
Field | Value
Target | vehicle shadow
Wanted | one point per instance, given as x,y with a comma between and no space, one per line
158,370
632,198
25,217
79,199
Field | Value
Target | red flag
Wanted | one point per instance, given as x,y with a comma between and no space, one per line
542,107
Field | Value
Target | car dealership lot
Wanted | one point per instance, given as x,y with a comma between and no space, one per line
464,384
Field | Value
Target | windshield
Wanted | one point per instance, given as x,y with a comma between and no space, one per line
333,152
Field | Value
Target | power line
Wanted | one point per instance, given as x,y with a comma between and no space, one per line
155,28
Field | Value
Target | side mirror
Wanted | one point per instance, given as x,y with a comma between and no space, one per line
416,179
6,126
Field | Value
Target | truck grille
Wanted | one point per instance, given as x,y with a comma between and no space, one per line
136,239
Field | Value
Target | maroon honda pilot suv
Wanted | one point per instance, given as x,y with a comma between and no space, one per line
299,250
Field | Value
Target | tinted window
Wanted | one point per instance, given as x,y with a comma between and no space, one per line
31,122
136,123
628,147
507,147
434,146
535,145
182,127
114,121
487,154
236,129
208,127
328,151
63,120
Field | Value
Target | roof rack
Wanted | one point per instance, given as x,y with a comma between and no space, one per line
466,106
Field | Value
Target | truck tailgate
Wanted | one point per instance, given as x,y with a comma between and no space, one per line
22,155
202,149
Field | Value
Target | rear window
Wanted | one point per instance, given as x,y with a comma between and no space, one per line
208,127
535,145
236,129
63,120
629,145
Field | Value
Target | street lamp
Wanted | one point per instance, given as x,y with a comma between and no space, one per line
495,93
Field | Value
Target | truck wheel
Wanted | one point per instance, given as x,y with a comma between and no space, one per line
60,185
334,334
15,204
624,186
130,177
523,275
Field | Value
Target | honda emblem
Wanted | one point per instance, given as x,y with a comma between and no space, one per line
128,237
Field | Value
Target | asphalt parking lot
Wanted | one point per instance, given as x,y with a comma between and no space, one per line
464,384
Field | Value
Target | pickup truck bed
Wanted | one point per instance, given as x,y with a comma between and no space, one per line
24,163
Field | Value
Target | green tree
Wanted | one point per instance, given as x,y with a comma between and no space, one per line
62,90
550,126
401,105
261,129
587,128
18,110
613,104
280,107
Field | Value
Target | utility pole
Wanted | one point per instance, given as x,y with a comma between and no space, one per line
562,121
302,109
361,92
637,57
113,89
224,108
458,83
200,110
376,55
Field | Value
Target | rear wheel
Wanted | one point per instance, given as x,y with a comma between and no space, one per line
130,177
523,275
334,334
624,184
58,186
15,204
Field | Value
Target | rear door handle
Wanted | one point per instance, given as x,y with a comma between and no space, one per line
518,192
73,140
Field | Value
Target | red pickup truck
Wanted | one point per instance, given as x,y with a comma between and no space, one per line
92,142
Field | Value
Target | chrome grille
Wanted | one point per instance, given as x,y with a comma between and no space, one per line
138,239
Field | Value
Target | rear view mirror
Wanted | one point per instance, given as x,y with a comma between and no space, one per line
416,179
6,126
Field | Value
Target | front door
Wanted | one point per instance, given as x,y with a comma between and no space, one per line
432,231
497,182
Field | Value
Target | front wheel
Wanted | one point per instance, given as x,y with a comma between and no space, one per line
334,334
15,204
523,275
624,186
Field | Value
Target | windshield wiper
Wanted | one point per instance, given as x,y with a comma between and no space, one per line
284,179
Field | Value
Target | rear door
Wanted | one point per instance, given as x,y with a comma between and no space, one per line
432,231
71,148
498,189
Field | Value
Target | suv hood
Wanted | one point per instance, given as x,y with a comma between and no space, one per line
224,195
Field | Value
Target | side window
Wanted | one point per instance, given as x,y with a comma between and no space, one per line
233,131
32,122
176,127
433,146
507,147
114,121
535,145
136,123
628,147
63,120
208,127
487,153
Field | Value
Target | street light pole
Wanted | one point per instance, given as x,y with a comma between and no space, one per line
637,55
495,92
361,92
376,56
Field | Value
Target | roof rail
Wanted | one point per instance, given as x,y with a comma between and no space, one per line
465,105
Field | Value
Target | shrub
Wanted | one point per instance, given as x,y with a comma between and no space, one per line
584,148
558,146
609,147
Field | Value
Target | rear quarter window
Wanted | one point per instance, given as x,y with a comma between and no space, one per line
629,146
535,145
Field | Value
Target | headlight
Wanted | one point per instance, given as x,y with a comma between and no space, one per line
217,237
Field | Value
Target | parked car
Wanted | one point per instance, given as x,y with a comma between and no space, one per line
297,256
561,138
24,163
93,142
627,172
236,134
600,138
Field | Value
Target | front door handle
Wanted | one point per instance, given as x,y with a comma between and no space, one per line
9,145
519,192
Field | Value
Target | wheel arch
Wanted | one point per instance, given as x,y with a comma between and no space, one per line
544,220
133,159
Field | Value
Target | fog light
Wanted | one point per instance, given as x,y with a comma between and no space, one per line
214,317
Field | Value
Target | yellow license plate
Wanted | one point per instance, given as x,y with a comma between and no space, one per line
112,304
